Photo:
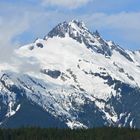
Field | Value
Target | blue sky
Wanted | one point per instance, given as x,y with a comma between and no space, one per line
22,21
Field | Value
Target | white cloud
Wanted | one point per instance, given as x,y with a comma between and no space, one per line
121,20
124,25
19,20
66,3
12,24
9,29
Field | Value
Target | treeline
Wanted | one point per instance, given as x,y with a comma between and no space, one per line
67,134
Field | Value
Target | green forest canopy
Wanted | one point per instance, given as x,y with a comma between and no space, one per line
34,133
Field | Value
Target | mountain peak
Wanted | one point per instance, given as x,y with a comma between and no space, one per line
72,28
78,31
78,23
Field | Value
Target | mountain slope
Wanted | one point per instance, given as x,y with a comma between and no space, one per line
74,76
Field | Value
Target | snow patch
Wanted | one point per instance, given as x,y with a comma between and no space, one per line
75,125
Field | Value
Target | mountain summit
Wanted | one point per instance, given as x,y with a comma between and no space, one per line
71,78
73,28
79,32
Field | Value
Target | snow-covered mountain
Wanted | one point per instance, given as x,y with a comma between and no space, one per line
71,78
